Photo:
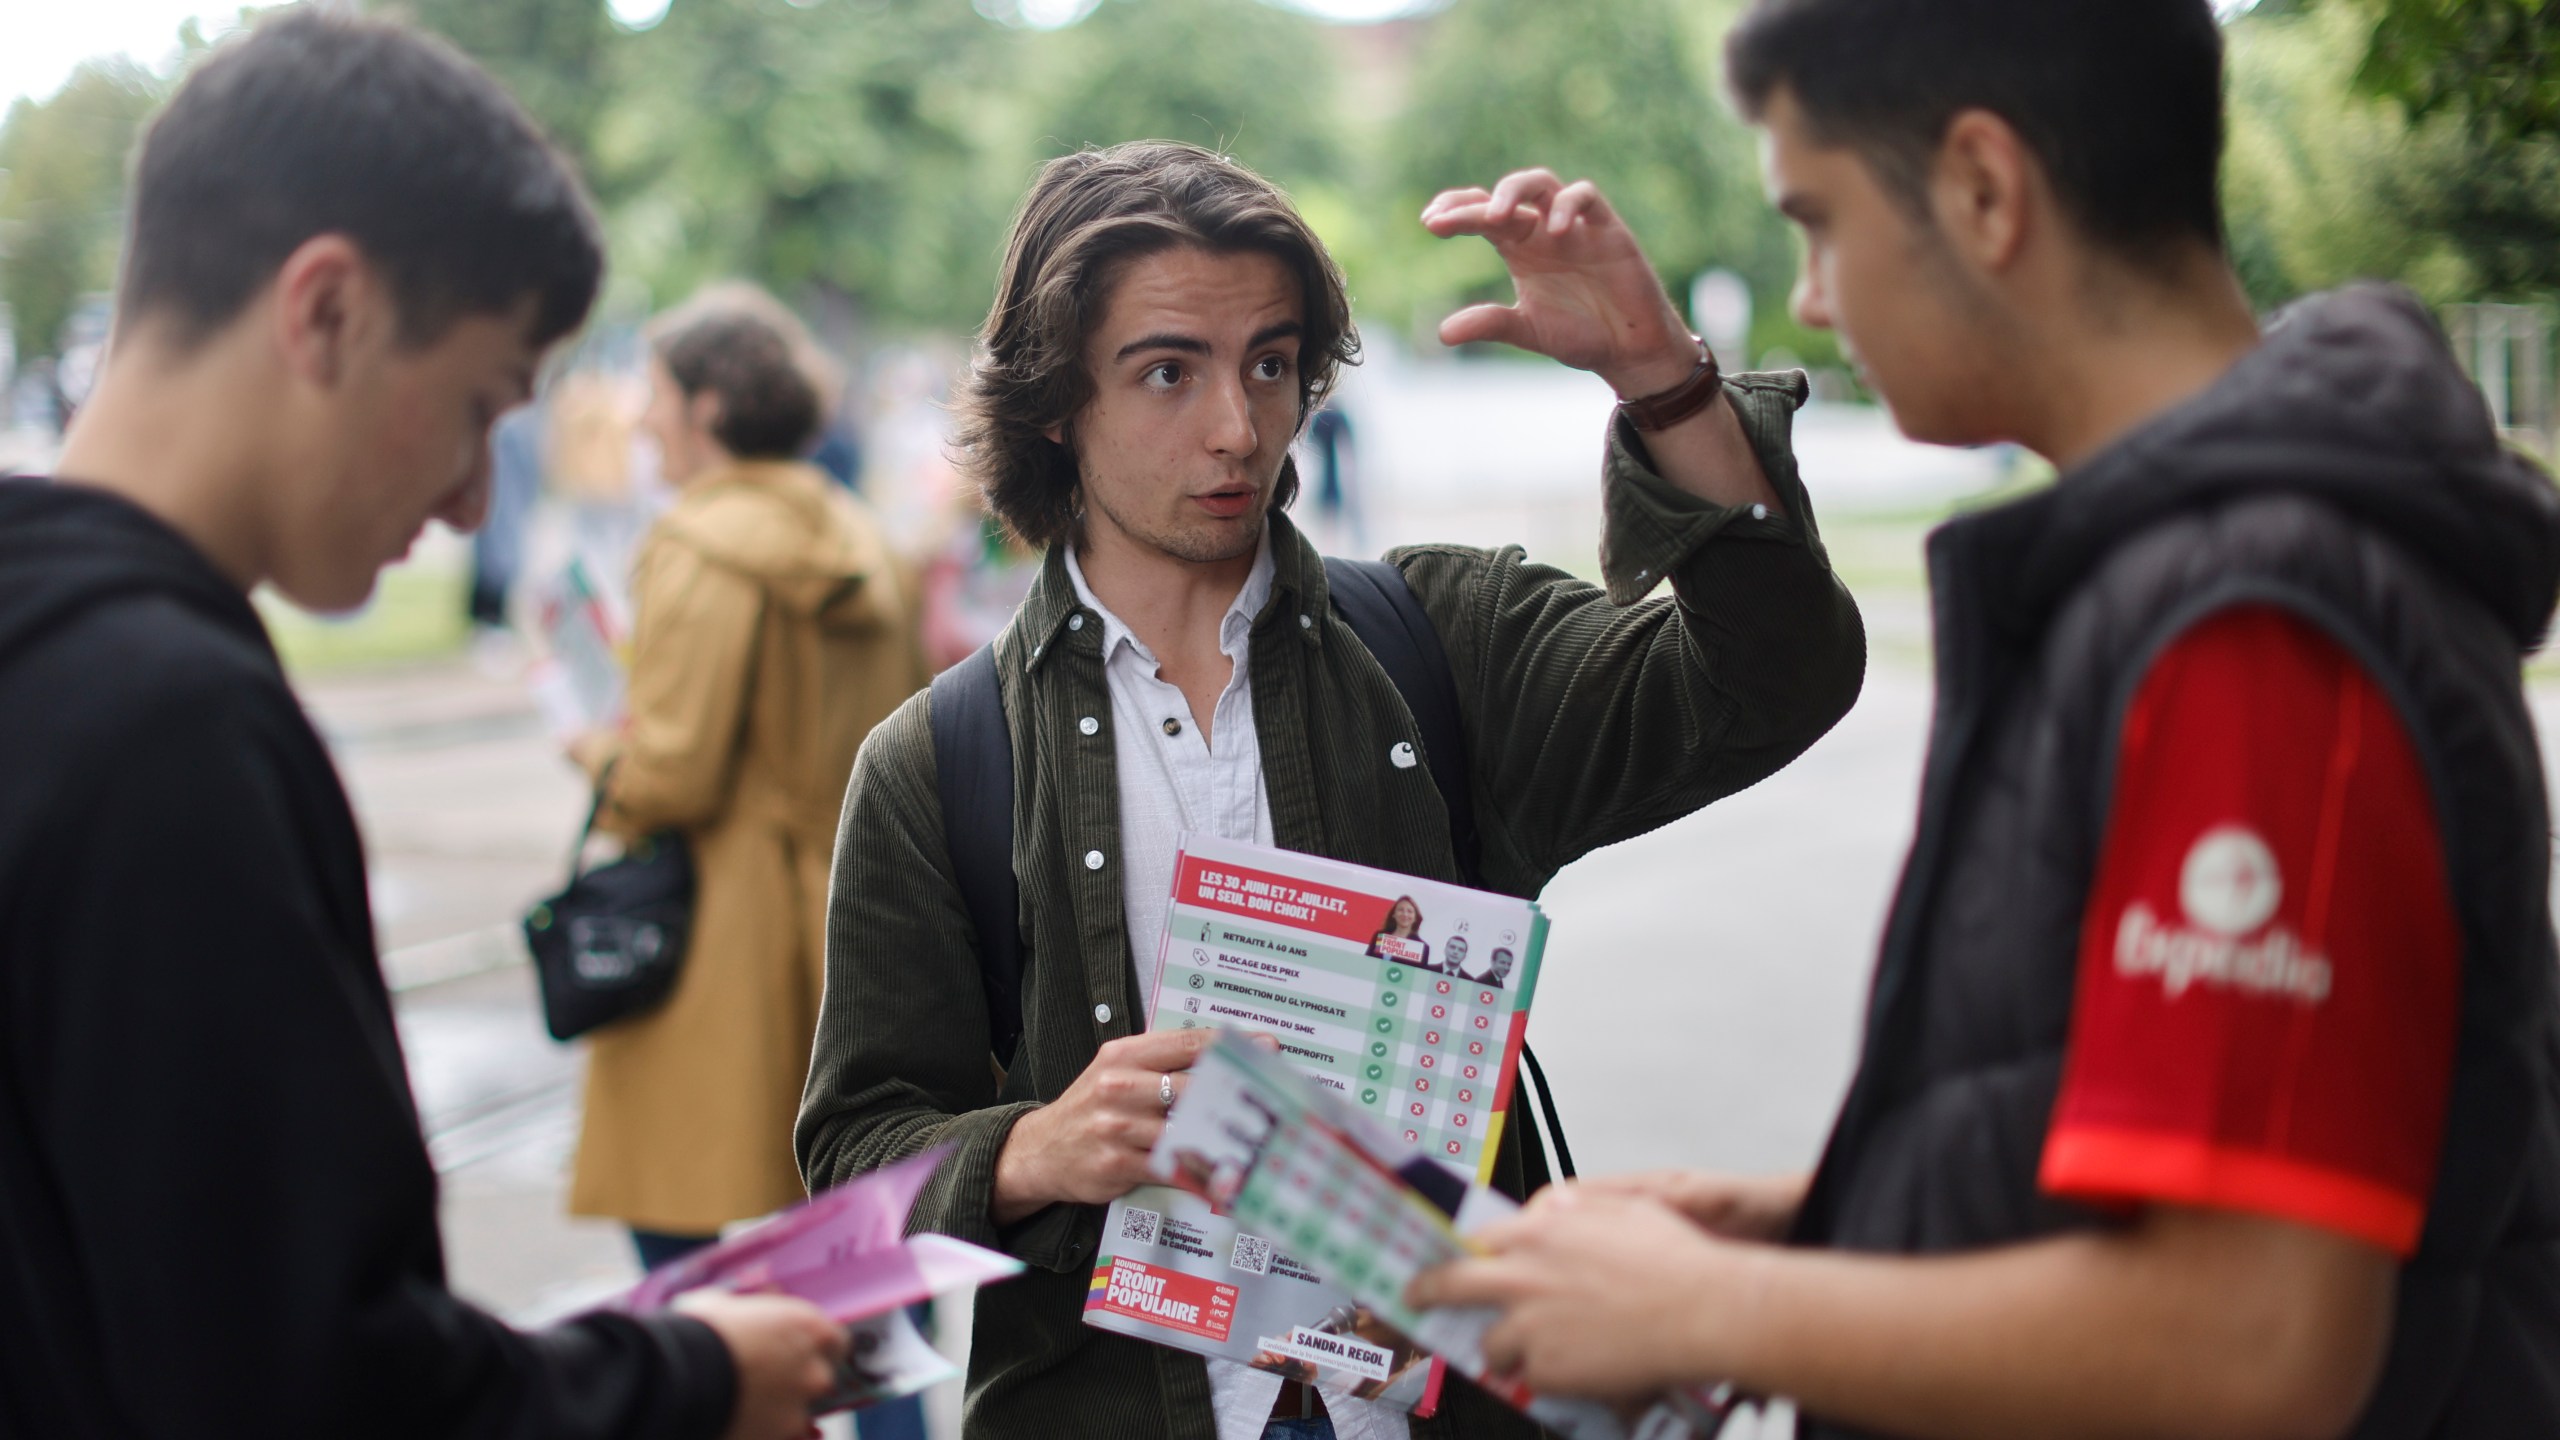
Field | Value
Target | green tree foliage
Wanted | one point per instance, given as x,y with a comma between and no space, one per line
2493,63
862,156
62,174
2324,183
1617,93
1237,76
555,55
836,148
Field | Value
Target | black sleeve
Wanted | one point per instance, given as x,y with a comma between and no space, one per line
221,1101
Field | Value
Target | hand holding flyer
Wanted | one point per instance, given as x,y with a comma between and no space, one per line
1284,1155
846,1252
1409,996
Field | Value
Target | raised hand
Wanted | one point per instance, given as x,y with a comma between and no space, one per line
1588,297
1587,294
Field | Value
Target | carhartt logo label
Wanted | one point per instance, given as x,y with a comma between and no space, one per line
2229,888
2230,884
1402,755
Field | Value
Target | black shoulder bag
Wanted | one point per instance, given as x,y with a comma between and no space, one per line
973,768
610,944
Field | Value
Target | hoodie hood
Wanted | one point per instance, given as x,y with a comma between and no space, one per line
66,548
785,526
2353,399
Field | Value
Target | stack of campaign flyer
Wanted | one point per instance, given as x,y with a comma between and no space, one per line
1405,997
1256,1141
846,1252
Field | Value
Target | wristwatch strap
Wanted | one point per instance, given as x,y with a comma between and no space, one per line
1670,407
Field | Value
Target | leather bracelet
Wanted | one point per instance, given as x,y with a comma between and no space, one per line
1668,408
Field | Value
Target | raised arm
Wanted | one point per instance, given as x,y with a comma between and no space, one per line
1588,722
1594,714
1590,298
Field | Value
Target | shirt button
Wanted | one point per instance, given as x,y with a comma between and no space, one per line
1089,725
1101,1014
1075,622
1093,859
1759,512
1172,726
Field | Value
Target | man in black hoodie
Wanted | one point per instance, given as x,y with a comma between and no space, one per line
2208,1079
348,251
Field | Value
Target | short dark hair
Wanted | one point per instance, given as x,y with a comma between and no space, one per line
1087,216
319,122
738,343
2120,100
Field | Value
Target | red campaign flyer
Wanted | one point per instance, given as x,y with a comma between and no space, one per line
1408,998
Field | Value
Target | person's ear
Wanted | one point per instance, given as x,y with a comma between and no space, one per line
1983,189
330,304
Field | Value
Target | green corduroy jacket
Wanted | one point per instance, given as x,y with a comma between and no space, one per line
1591,715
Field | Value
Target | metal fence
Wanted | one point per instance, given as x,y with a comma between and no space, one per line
2507,351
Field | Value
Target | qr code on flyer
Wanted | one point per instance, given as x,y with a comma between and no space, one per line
1140,1226
1251,1255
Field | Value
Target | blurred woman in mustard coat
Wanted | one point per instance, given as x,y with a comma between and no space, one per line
772,630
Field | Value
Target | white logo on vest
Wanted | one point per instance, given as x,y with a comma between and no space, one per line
2230,884
2229,888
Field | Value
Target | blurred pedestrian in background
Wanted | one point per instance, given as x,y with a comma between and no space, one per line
1330,465
773,628
972,586
497,548
837,450
604,475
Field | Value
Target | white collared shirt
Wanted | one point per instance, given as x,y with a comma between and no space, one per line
1172,780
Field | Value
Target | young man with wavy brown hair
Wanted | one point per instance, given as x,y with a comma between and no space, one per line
1164,325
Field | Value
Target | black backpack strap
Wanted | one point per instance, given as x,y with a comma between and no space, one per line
1374,600
973,768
